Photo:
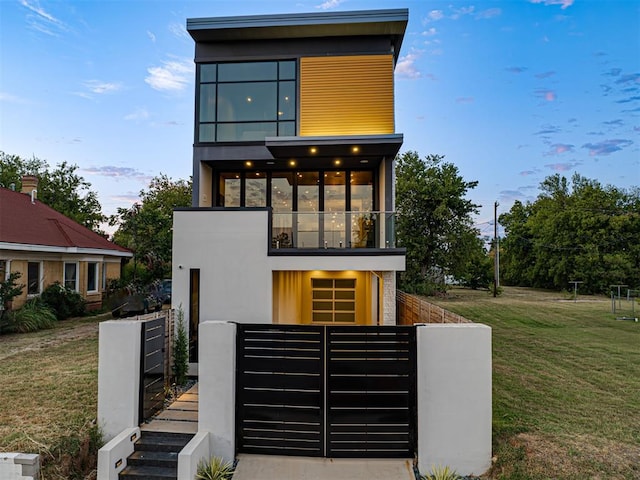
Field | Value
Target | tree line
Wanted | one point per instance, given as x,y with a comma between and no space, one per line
577,230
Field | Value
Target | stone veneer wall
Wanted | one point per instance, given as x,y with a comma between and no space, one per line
389,298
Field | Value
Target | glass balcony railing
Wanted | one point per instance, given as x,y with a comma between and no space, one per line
300,230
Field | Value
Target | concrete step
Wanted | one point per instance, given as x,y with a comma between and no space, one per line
148,473
161,442
153,459
168,426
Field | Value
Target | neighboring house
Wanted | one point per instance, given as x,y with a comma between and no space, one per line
47,247
293,198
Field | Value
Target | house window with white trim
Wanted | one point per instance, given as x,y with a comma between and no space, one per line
33,278
3,270
71,276
92,276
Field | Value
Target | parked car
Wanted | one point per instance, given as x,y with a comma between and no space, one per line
127,301
165,287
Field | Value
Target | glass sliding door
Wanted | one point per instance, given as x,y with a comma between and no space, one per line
282,205
362,221
308,197
335,206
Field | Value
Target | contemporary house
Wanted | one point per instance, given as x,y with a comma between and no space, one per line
285,268
47,247
293,211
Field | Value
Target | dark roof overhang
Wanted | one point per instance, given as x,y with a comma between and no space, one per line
339,147
392,23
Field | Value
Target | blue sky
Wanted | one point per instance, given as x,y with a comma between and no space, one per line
509,91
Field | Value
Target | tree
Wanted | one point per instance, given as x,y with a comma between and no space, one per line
146,227
61,188
578,230
434,221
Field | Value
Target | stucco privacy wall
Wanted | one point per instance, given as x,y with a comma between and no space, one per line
230,249
118,376
454,397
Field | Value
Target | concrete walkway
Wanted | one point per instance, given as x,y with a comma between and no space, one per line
180,417
270,467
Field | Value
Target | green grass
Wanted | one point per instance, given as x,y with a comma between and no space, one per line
48,397
566,384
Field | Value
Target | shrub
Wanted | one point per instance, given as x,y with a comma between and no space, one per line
9,289
180,350
214,469
441,473
64,301
32,316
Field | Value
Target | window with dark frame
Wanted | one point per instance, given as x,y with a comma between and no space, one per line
333,300
71,275
33,278
246,101
92,276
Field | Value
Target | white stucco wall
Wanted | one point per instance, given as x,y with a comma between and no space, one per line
454,397
230,249
217,387
118,376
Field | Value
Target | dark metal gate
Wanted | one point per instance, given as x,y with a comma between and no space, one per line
334,391
152,367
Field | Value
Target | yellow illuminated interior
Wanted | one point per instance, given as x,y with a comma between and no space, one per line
346,95
293,296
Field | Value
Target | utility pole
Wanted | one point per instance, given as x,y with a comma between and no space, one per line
496,258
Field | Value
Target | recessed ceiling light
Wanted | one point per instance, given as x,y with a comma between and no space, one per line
271,163
337,161
364,161
313,150
355,149
292,163
248,163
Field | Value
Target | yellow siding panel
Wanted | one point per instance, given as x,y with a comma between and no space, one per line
348,95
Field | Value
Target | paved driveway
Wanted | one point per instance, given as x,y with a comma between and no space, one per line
270,467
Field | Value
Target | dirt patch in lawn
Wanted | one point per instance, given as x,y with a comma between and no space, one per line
582,456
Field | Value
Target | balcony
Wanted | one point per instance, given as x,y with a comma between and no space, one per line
335,231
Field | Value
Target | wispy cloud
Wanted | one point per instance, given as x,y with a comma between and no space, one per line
607,147
430,32
548,130
564,3
613,72
130,198
41,20
434,15
151,36
98,87
545,74
629,78
562,167
618,122
547,95
528,173
137,114
178,30
465,100
460,12
516,69
630,99
7,97
172,76
489,13
559,148
406,68
329,4
112,171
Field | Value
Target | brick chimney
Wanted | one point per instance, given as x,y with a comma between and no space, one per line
29,185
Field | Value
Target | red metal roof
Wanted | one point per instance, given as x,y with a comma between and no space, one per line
35,223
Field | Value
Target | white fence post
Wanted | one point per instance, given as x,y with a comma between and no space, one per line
118,376
217,387
454,397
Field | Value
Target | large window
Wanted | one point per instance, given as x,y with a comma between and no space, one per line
71,276
33,278
244,102
92,277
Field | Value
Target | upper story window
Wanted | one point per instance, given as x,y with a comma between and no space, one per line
248,101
